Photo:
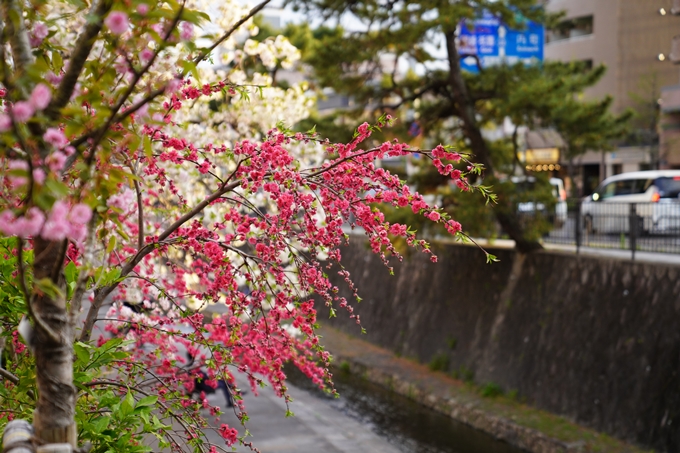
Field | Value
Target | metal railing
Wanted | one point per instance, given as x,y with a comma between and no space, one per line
649,227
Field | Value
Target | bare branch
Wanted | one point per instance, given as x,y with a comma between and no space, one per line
9,376
140,217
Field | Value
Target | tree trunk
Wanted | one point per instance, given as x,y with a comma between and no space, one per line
54,416
466,109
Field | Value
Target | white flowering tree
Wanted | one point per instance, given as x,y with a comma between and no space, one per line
141,164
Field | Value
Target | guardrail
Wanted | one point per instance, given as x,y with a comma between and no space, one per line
649,227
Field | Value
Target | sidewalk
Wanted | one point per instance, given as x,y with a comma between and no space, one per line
316,426
504,418
642,257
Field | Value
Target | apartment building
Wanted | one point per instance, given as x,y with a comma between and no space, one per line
632,38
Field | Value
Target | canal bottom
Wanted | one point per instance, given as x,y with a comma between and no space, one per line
406,424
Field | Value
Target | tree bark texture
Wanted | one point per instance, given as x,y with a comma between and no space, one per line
466,109
54,416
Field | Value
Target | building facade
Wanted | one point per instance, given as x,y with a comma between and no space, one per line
633,39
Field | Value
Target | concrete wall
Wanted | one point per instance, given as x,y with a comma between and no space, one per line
597,340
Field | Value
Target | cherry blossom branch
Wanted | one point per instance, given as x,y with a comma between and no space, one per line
79,56
230,32
341,161
131,87
18,37
103,292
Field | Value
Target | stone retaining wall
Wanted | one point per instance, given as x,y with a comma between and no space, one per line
596,340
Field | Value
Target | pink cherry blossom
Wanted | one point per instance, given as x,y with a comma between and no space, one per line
40,30
80,213
117,22
18,165
41,96
22,111
124,200
434,216
56,161
7,225
30,224
39,175
143,9
187,32
57,227
146,55
5,122
38,34
53,78
55,137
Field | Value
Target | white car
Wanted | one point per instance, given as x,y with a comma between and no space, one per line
558,192
652,194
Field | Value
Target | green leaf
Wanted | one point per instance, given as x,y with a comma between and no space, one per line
57,189
148,151
71,272
190,67
128,405
49,288
82,354
147,401
111,245
491,258
100,424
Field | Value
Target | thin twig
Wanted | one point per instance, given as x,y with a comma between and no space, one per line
140,217
230,32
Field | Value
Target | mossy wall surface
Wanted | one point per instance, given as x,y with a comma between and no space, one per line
596,340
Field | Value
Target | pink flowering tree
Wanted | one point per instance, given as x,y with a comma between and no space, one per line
139,187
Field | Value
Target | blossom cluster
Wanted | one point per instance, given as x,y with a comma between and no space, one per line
174,191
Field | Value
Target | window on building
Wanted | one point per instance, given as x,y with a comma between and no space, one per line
617,169
571,28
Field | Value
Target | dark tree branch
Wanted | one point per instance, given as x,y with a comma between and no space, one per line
18,36
467,114
230,32
103,292
140,217
82,50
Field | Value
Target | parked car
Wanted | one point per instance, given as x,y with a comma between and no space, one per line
652,194
559,216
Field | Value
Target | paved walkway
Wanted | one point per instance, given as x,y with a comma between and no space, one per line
316,427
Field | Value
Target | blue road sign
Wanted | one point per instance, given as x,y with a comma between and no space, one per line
493,43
